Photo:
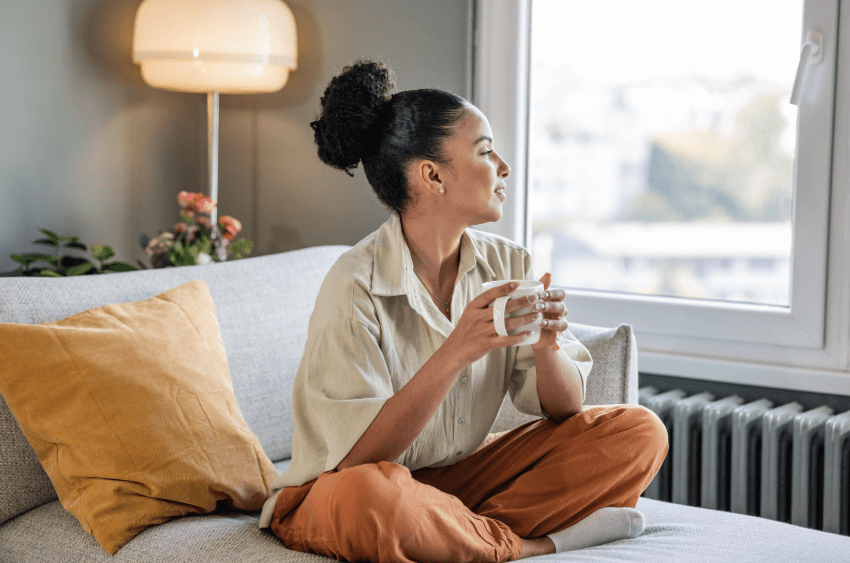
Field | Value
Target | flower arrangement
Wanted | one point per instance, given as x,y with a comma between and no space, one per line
191,241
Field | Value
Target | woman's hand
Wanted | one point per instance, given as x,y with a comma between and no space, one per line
554,311
475,334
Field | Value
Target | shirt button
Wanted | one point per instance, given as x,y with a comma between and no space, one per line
461,420
458,453
463,379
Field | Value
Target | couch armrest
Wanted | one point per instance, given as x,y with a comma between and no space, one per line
613,379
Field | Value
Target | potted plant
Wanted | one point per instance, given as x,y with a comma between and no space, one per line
61,266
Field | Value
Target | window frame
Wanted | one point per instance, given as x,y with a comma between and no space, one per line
804,346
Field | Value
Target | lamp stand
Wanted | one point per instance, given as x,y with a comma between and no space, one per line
212,167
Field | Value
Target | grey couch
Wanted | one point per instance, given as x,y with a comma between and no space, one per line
263,305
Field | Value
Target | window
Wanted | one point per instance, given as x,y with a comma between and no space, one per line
667,159
663,178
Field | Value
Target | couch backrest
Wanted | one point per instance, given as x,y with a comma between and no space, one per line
263,305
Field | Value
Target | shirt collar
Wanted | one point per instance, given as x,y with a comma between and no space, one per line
393,274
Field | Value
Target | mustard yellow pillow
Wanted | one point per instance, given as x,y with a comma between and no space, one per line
131,411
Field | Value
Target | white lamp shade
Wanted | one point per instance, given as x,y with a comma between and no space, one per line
232,46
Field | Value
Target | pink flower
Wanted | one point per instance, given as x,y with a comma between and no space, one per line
150,249
180,228
230,226
202,221
185,199
190,202
202,203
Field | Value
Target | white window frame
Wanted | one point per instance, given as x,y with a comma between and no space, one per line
804,346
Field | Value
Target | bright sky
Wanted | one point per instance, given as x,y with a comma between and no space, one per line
625,40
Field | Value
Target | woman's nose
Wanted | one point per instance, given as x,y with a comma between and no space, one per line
504,168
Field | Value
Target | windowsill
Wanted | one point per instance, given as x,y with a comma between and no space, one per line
745,373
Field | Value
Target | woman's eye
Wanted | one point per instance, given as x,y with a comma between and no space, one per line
488,152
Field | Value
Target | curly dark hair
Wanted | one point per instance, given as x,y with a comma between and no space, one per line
364,119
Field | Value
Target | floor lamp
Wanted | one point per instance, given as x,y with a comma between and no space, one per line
213,47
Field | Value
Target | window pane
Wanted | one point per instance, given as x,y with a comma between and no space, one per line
662,146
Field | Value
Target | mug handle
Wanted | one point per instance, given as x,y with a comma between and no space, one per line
499,314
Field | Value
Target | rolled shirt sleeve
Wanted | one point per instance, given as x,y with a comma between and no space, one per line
523,384
347,384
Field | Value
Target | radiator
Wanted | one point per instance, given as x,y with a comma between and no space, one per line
777,462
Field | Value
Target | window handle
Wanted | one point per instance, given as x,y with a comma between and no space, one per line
810,55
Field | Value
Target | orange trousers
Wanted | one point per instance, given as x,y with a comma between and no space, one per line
539,478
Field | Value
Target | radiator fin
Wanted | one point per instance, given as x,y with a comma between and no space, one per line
807,471
662,405
716,452
746,457
836,494
776,461
687,448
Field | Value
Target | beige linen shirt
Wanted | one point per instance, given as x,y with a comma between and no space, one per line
374,326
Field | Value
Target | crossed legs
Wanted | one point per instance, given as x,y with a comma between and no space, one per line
498,504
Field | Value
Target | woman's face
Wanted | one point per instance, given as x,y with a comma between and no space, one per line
475,171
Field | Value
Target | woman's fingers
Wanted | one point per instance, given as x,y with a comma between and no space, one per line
522,320
556,326
557,308
517,303
548,324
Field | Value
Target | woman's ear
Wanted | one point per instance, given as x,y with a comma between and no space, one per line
426,174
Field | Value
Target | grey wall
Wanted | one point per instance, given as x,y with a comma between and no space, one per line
88,149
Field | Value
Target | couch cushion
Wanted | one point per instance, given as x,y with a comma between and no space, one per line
674,533
130,409
263,305
49,534
612,380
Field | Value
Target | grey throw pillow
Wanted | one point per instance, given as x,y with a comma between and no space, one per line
613,379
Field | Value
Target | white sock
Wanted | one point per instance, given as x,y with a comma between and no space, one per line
605,525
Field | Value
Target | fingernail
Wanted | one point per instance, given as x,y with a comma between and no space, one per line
532,298
539,306
514,285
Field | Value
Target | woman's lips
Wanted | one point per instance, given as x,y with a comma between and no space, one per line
501,193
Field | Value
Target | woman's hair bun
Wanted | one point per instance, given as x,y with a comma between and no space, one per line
351,104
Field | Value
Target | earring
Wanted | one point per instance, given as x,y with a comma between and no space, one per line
441,191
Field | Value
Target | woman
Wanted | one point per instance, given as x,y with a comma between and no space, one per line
403,373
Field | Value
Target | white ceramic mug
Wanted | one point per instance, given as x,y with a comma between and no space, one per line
526,287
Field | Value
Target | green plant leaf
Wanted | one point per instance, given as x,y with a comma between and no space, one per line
13,274
48,273
67,262
53,236
119,267
240,246
181,256
27,259
194,249
77,245
46,242
79,269
102,252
